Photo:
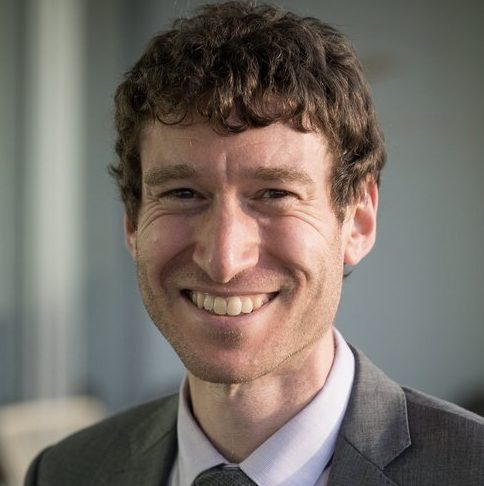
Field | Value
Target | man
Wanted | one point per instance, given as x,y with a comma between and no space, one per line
249,163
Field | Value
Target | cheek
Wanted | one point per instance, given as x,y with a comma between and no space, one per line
163,239
303,246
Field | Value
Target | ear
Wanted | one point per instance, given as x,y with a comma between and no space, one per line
361,233
130,236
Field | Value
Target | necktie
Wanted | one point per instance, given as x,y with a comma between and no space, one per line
223,476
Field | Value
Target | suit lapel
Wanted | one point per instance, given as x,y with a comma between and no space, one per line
350,467
152,451
374,431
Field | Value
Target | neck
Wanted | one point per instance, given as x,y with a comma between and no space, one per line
238,418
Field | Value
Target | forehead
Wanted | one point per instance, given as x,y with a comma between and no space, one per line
275,145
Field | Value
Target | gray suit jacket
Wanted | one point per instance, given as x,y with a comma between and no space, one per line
390,436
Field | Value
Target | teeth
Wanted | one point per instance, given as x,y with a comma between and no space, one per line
219,306
258,303
208,303
232,306
247,306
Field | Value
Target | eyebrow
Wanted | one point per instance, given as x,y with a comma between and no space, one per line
281,174
158,175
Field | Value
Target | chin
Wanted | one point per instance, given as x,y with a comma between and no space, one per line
227,370
220,377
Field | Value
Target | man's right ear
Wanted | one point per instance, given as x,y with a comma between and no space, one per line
130,236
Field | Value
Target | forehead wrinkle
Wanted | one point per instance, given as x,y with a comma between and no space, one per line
160,174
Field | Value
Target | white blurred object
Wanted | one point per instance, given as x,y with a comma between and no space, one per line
28,427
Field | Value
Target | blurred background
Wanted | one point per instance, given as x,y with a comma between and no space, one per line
71,319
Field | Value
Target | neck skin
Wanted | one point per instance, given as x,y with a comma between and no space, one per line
238,418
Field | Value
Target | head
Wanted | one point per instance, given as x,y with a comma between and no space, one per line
242,66
249,159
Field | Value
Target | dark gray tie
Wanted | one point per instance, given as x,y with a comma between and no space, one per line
223,476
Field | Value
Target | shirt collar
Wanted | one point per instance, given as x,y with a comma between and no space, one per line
195,452
294,455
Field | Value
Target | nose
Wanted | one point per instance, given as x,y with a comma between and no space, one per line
227,241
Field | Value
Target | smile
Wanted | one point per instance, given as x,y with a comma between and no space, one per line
228,306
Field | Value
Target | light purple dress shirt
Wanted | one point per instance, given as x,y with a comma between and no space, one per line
296,455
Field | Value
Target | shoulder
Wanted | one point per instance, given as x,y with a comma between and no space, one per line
440,422
116,429
447,443
104,444
409,436
425,414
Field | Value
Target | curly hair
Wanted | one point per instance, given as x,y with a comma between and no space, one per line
264,64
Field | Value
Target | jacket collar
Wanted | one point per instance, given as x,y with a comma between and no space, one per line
375,428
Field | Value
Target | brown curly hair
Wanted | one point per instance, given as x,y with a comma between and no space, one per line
264,64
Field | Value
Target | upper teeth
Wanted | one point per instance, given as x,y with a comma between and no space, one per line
232,306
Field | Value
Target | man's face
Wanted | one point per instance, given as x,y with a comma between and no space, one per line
239,253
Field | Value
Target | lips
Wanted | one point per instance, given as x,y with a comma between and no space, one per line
233,305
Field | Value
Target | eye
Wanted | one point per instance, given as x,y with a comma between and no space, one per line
275,200
180,199
275,194
181,193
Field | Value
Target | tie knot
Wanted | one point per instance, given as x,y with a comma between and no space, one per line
223,476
